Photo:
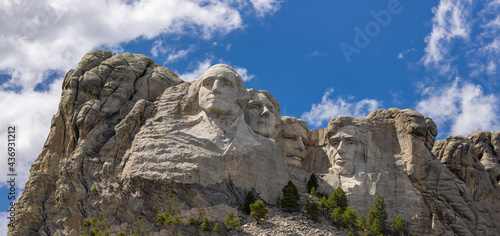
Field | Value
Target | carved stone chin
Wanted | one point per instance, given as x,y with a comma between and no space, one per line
343,170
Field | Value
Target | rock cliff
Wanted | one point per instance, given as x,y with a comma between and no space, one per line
131,140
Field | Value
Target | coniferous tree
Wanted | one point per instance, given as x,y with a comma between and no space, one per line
312,209
349,218
232,221
290,200
312,183
216,227
205,225
397,225
337,216
258,211
338,199
250,198
362,223
377,217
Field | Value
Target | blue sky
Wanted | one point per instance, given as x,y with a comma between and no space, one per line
319,58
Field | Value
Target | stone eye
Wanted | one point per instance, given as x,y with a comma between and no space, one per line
269,108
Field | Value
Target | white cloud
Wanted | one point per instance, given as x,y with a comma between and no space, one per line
55,34
264,7
463,106
316,53
451,22
202,66
402,54
328,108
193,75
31,113
160,49
244,73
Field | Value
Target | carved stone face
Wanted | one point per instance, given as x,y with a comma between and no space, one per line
219,91
293,144
260,115
343,147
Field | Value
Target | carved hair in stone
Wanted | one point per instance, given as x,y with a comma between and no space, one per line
293,139
345,147
263,113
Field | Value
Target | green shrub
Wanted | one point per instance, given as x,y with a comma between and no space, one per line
216,227
397,224
205,225
121,234
232,221
312,209
95,192
164,219
192,221
258,211
177,220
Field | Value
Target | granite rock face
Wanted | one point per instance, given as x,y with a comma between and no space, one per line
131,140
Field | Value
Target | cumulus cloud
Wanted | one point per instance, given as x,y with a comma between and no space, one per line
451,22
30,113
321,113
54,34
202,66
264,7
463,106
465,32
198,70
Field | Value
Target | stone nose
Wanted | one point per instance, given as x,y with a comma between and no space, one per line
265,112
216,88
341,148
299,145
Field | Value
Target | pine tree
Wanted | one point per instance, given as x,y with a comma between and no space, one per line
192,221
164,219
231,222
397,224
377,217
337,216
216,227
250,198
312,183
177,220
205,225
362,223
291,197
312,209
350,219
258,211
338,199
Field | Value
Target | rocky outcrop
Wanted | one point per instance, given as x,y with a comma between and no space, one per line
97,96
131,140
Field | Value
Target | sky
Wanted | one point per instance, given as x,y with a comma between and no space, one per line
318,58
